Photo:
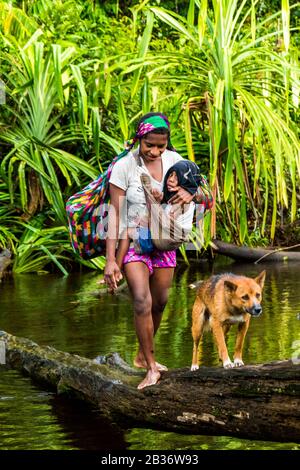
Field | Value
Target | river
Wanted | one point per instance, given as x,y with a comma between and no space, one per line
66,313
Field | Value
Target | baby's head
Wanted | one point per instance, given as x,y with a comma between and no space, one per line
185,174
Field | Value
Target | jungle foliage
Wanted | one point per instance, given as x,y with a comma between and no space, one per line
76,75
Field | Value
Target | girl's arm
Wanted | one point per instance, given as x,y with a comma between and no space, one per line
123,247
112,273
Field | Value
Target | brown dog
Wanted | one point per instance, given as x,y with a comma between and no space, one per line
222,301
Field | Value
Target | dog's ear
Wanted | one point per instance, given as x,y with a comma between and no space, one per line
230,286
260,279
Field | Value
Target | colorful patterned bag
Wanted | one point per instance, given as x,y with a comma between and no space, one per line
87,213
204,195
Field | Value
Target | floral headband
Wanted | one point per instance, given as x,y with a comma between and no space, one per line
149,125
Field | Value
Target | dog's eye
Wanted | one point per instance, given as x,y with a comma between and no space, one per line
245,297
257,295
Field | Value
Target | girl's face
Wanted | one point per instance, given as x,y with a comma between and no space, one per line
172,180
152,146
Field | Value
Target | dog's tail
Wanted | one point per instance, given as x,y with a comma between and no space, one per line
206,326
195,285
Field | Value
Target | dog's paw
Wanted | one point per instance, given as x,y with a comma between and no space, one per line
238,363
194,367
228,364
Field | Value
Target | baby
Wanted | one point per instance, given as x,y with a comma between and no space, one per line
185,174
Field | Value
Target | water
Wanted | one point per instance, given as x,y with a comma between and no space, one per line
66,314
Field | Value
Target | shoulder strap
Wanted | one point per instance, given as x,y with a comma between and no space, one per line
136,155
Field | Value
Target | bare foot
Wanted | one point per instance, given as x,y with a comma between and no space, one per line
152,377
141,364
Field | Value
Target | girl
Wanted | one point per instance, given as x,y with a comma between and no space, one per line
149,277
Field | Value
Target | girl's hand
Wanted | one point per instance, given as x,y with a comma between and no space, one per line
112,275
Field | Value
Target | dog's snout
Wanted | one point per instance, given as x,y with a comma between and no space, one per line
256,310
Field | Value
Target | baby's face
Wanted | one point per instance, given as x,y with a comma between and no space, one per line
172,180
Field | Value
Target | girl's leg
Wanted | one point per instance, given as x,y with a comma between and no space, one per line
137,276
160,282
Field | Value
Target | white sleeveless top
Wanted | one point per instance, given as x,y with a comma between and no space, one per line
126,175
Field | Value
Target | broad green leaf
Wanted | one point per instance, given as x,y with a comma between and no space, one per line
55,260
107,78
202,15
253,21
219,95
285,8
188,132
146,96
33,39
22,183
82,96
229,123
95,131
142,51
191,15
57,62
122,114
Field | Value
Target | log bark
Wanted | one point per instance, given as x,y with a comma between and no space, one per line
254,254
254,402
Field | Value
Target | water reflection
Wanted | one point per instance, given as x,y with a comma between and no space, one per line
67,314
33,419
158,440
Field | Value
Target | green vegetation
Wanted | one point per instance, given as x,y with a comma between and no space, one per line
78,74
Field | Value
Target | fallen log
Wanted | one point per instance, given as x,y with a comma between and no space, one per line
254,254
254,402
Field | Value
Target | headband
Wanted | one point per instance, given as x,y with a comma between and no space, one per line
148,125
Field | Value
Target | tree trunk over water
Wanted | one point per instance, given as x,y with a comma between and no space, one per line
255,254
254,402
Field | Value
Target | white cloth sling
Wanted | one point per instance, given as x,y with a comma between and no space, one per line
166,233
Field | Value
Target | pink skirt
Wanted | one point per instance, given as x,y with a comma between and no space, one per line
156,259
